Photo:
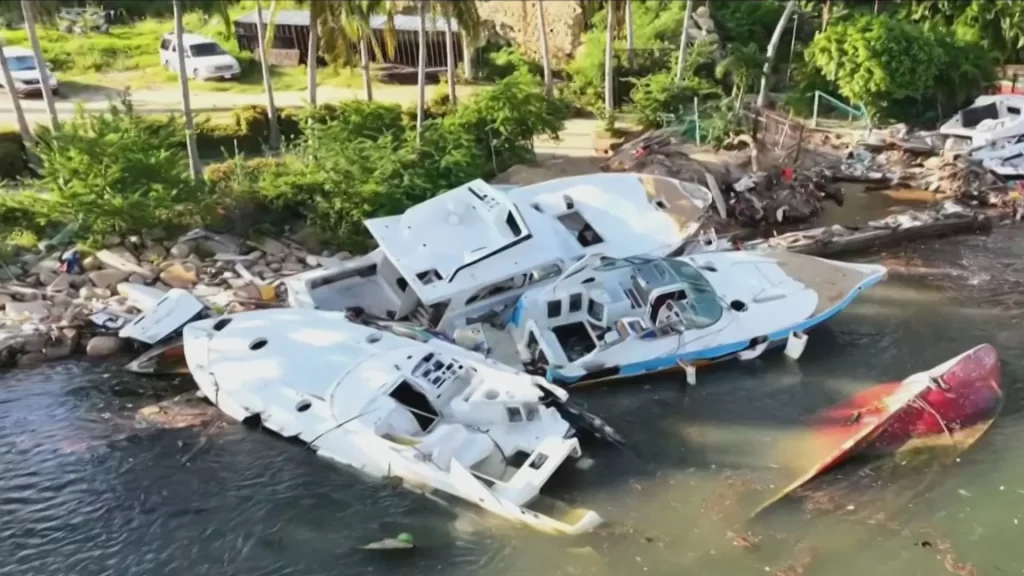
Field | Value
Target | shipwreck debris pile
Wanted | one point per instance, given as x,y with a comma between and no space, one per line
55,303
779,198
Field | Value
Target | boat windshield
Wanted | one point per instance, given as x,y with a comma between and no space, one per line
701,309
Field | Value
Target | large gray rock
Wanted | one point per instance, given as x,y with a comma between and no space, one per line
180,250
108,278
100,346
31,360
121,259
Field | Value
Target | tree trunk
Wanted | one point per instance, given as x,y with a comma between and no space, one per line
826,9
876,7
467,55
684,40
313,51
773,45
421,70
274,138
44,73
194,165
449,47
630,56
609,60
364,62
542,29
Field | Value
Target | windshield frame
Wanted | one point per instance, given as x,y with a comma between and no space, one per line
220,51
703,306
15,63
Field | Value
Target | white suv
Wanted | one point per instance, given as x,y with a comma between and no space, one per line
25,73
204,58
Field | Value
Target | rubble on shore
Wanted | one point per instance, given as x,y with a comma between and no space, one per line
56,303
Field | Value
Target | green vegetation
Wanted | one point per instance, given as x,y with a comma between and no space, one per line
122,172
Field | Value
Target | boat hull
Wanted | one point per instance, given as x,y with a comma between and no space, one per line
947,407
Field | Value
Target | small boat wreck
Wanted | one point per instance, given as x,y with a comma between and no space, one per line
990,118
472,251
437,416
949,407
617,317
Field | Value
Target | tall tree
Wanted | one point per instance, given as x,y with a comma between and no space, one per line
684,40
261,31
545,57
630,55
465,15
773,45
28,10
347,24
609,61
194,165
19,113
312,49
421,69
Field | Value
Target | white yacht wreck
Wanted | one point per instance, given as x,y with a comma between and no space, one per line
437,416
460,256
989,119
617,317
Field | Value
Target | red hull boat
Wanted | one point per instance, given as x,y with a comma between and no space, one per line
949,406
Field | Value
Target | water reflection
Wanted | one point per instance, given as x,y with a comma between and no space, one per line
84,490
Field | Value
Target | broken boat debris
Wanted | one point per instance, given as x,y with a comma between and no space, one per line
949,406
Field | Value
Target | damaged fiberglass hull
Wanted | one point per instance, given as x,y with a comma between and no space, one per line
947,407
642,315
436,416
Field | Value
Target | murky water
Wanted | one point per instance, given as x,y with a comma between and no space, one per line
85,491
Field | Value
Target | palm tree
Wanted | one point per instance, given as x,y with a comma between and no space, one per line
421,72
28,9
630,56
345,24
313,50
773,45
274,136
19,114
468,19
186,102
684,41
542,30
609,61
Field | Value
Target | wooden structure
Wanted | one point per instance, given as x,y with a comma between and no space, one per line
290,41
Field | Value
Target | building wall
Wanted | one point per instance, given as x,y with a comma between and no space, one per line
516,20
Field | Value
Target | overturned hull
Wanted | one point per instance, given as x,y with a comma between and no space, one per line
947,407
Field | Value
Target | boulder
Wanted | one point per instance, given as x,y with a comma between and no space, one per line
100,346
108,278
154,253
275,266
28,260
59,284
180,250
121,259
45,265
64,346
47,277
181,275
111,240
31,360
10,273
91,263
273,247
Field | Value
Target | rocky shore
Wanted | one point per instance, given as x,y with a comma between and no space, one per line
54,303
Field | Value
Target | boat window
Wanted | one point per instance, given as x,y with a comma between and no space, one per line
437,312
575,302
416,402
427,277
513,226
701,308
498,288
532,412
595,310
402,284
635,326
585,234
1013,110
531,344
514,415
611,264
637,260
634,300
554,308
641,292
545,273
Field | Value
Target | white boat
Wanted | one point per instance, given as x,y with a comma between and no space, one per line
464,254
618,317
435,415
989,119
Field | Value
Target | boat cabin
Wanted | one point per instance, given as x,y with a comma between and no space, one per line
608,300
989,119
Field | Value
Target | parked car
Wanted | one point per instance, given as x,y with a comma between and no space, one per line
24,72
204,58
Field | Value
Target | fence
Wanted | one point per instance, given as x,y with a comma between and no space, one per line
828,110
775,133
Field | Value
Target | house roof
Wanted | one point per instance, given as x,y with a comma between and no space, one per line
403,22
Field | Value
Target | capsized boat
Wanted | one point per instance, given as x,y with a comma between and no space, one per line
437,416
614,317
473,250
992,117
949,406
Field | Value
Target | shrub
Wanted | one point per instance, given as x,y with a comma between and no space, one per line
118,172
659,95
13,163
507,61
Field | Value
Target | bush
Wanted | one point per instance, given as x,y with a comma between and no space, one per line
117,172
507,61
659,95
13,162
